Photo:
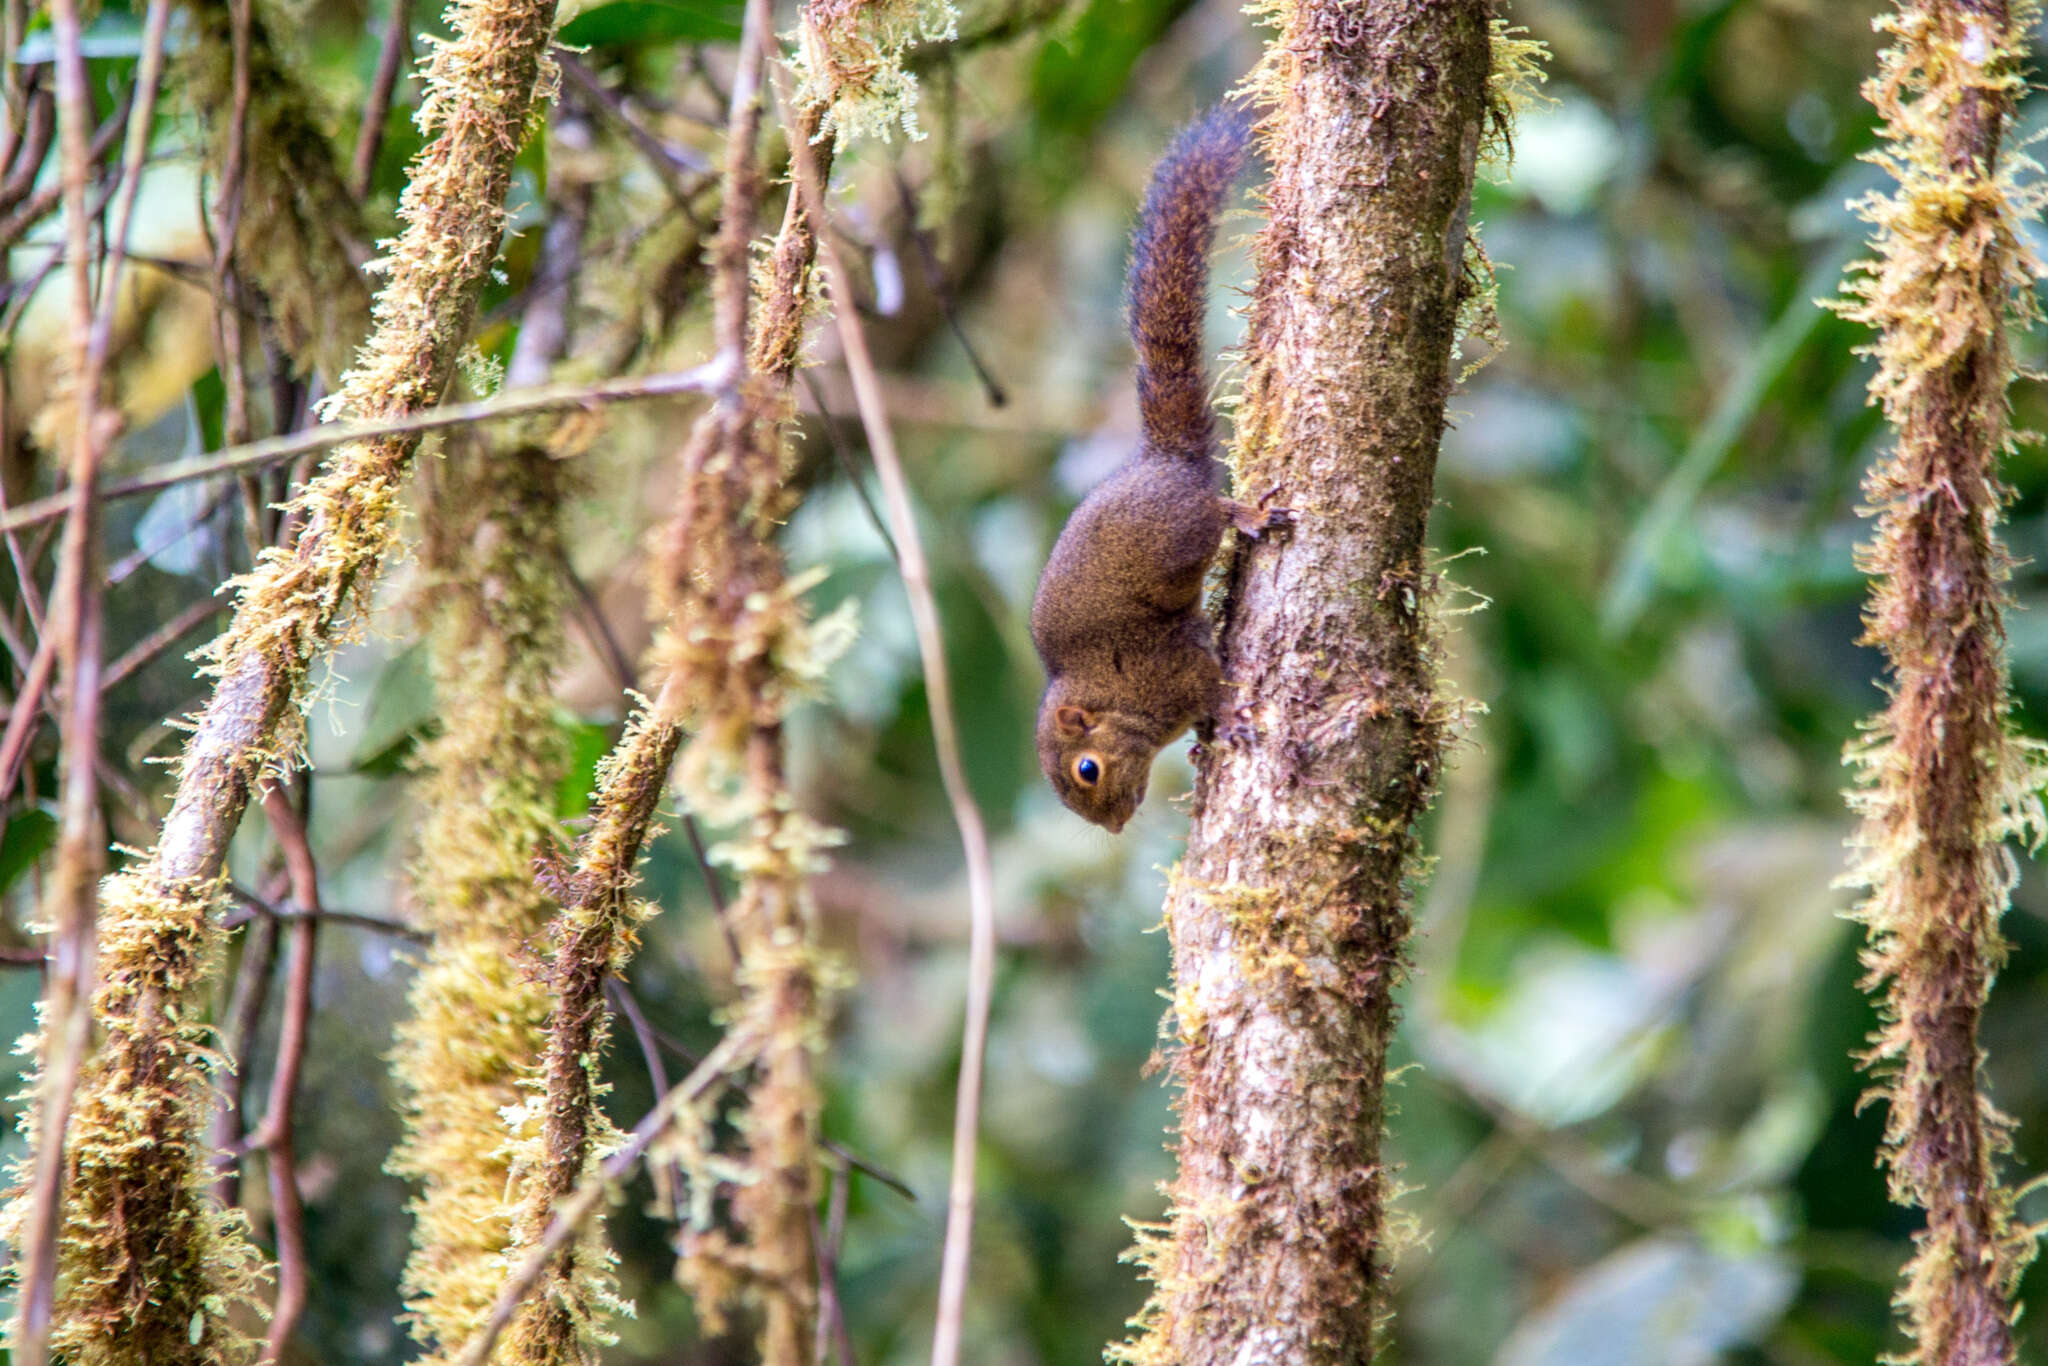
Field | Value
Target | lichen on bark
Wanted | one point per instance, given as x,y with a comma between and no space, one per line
1289,912
1943,781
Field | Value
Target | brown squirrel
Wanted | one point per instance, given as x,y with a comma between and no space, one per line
1130,659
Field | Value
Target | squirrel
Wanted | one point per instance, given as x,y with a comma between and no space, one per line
1130,659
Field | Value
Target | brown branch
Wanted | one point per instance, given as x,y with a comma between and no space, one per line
592,932
1289,912
244,1013
275,1137
945,739
26,148
392,58
276,450
583,1199
38,205
1943,781
71,899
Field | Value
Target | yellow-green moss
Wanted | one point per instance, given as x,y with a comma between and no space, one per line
298,225
479,1002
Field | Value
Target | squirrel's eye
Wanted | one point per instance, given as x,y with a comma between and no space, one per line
1087,771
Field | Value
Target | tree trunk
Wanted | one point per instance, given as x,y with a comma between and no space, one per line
1289,913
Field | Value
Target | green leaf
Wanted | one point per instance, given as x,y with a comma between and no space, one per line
626,23
26,836
586,743
401,716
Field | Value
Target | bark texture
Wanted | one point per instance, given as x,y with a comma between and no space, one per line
1944,781
1289,913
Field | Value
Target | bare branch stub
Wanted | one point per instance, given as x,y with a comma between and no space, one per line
1289,913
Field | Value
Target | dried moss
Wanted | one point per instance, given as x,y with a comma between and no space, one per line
1942,780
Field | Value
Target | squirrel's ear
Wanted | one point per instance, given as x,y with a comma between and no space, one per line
1074,721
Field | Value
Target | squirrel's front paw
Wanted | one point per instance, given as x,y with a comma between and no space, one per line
1255,520
1236,728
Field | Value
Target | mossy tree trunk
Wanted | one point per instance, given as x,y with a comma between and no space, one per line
1289,913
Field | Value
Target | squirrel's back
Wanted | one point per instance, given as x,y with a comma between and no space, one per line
1169,282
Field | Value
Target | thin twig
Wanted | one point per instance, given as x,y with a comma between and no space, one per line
227,226
866,1166
832,1330
126,566
28,706
391,60
34,697
668,161
669,1178
159,640
581,1202
935,279
946,740
597,629
24,580
26,143
72,900
275,1137
254,904
844,459
244,1014
706,378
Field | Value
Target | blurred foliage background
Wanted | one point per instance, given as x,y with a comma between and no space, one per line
1631,1123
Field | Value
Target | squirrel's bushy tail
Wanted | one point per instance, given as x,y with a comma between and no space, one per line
1169,282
